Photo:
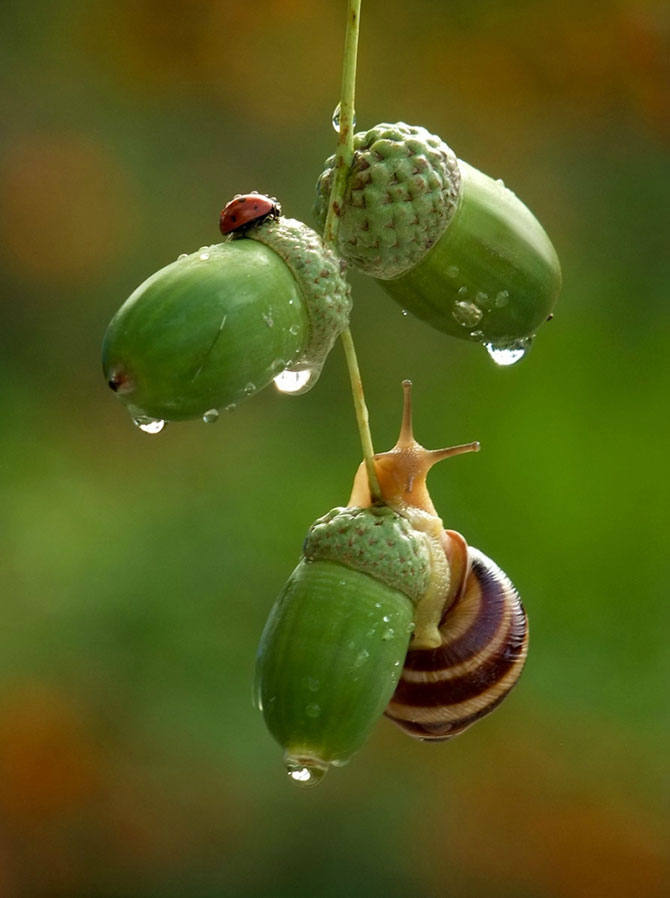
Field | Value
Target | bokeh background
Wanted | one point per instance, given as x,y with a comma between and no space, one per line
136,571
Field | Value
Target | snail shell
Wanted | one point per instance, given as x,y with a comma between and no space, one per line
484,635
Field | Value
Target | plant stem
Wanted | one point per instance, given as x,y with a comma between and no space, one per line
343,158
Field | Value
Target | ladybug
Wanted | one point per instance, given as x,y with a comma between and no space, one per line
247,210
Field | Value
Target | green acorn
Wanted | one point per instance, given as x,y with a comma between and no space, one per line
453,246
386,613
220,324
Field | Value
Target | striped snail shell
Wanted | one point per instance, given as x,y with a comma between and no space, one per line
484,636
386,613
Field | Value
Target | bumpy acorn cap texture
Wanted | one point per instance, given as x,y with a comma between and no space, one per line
320,275
375,541
402,190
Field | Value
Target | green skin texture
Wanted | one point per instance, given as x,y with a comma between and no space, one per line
497,244
312,656
167,337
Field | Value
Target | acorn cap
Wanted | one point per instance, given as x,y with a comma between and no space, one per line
319,273
402,190
376,541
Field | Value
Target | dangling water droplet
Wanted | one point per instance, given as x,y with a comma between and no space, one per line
467,313
500,182
250,388
452,271
337,112
148,424
231,407
508,354
476,335
313,710
293,381
182,256
204,256
502,298
305,774
405,312
211,416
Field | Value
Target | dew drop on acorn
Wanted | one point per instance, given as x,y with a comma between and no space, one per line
509,354
211,416
293,381
304,774
148,424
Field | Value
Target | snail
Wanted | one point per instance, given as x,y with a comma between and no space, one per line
220,324
386,613
450,244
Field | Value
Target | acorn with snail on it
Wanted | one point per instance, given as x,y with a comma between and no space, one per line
386,613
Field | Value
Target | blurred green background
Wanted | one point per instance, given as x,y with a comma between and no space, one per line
137,571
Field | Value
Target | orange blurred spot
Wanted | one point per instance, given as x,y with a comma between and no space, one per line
47,761
66,207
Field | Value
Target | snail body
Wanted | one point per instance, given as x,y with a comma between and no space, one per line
218,325
387,612
447,242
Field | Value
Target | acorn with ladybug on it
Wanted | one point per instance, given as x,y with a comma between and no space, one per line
220,324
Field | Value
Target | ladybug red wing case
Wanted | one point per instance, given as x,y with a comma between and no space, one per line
246,210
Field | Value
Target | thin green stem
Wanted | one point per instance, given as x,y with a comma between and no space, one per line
344,155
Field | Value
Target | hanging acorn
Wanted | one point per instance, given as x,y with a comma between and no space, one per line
451,245
386,612
220,324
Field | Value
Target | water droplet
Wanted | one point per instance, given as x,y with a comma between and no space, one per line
510,353
386,618
182,256
267,318
502,298
482,299
452,271
305,774
148,424
294,330
500,182
467,313
313,684
313,710
405,312
211,416
388,634
231,407
462,290
293,381
476,335
250,388
336,117
361,658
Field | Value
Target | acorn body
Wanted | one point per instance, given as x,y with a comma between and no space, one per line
319,685
218,325
493,276
448,243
